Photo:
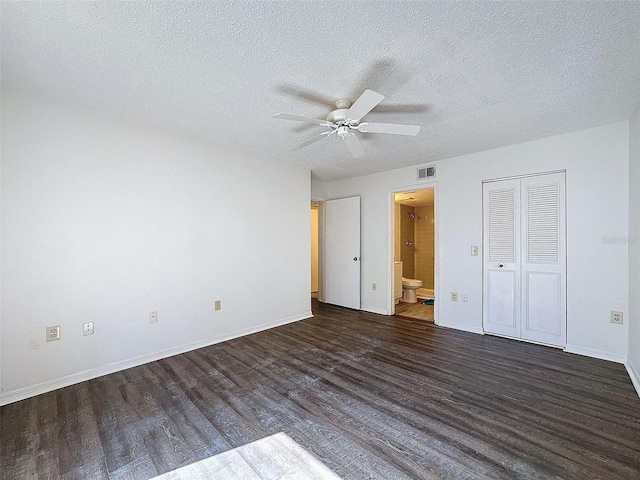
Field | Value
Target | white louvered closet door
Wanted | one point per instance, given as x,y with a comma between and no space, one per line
525,258
544,272
502,258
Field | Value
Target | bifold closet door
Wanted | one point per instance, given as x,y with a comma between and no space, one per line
501,305
544,265
525,258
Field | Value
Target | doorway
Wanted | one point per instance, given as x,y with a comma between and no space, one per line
414,253
335,251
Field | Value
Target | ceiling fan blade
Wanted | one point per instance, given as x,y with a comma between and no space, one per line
354,146
310,141
393,128
298,118
364,104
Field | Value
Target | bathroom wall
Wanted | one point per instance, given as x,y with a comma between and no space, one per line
418,259
424,245
407,234
396,233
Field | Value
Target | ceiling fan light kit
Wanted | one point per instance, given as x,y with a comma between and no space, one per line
345,122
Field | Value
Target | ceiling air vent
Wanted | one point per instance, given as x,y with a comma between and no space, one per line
426,172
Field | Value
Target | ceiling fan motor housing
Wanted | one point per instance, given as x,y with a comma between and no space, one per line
337,116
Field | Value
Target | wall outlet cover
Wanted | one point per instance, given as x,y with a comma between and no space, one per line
616,317
53,333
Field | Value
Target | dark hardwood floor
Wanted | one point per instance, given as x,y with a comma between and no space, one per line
369,396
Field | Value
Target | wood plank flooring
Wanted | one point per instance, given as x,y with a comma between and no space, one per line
369,396
415,310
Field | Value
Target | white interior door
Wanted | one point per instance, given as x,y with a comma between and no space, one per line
525,258
342,252
544,269
501,306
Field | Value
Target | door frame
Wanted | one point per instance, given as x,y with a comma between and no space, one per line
322,240
320,201
391,308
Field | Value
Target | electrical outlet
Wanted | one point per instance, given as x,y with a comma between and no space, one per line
218,305
374,286
465,297
454,296
87,328
53,333
153,316
616,317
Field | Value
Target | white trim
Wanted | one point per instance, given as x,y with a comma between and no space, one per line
634,375
378,310
524,176
50,385
462,327
592,352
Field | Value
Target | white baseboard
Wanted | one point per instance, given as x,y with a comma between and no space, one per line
380,311
462,327
50,385
594,353
634,375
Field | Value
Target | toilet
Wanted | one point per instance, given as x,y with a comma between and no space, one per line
409,287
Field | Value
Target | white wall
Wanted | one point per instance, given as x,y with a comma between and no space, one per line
319,190
597,166
105,221
633,364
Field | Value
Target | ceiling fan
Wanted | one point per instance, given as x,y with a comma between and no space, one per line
345,121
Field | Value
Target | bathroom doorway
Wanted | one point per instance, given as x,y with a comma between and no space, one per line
414,253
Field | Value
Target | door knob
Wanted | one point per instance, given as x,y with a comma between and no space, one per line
500,265
355,259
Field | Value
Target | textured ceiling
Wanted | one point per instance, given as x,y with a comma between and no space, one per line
474,75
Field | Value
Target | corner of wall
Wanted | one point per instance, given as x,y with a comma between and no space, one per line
133,219
319,190
634,374
633,361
